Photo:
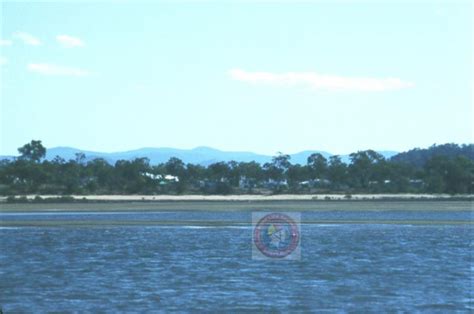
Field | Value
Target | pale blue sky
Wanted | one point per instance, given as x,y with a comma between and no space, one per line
262,77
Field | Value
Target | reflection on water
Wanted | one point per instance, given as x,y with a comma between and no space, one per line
371,267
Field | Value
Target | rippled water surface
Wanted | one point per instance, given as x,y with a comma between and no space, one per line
362,263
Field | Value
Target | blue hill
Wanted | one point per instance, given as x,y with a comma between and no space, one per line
199,155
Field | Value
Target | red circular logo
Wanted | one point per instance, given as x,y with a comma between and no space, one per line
276,235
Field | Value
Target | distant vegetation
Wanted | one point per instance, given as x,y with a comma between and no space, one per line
445,168
420,157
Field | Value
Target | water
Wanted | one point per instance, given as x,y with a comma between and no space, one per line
178,261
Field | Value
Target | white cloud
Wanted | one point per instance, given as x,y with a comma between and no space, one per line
319,81
56,70
5,42
28,39
3,60
69,41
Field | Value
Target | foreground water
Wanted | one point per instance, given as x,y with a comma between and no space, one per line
183,261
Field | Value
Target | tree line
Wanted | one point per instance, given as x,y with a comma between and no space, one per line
367,172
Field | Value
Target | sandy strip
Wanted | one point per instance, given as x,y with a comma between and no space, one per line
249,197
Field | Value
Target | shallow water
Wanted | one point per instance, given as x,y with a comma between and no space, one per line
420,262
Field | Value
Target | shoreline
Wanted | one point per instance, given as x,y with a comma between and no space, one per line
242,197
164,203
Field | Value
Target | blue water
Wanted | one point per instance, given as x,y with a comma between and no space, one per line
348,266
243,216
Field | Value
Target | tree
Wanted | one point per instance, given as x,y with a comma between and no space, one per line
361,169
460,175
195,172
219,171
277,169
175,167
27,175
281,161
296,174
337,171
251,170
419,157
130,175
399,176
80,158
234,173
445,168
444,175
102,174
318,166
33,151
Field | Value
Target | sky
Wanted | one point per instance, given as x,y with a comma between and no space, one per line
236,75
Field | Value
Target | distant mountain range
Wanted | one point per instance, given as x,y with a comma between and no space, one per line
199,155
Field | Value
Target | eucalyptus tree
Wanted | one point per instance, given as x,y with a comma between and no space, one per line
33,151
318,166
337,172
361,169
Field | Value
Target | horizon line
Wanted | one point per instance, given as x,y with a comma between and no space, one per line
238,151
